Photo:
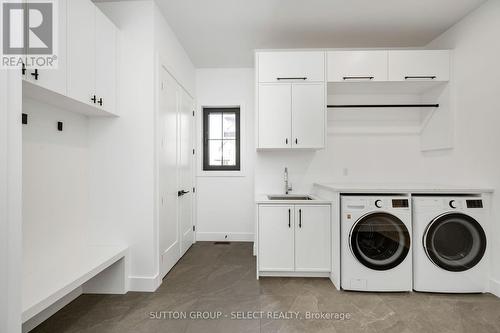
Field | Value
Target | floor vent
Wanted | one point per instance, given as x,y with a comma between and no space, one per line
222,243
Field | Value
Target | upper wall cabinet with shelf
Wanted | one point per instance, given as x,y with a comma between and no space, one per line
291,100
355,66
86,78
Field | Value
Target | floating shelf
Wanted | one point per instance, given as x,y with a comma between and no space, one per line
384,106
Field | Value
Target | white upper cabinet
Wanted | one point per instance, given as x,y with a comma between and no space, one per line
92,54
348,66
419,65
81,51
106,60
308,115
53,79
291,100
275,118
308,66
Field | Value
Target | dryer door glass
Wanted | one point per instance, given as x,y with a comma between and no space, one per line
455,242
380,241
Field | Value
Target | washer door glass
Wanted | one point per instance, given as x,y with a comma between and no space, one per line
455,242
380,241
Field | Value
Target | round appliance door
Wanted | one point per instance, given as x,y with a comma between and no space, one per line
455,242
380,241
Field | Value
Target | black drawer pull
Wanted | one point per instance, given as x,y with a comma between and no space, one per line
289,218
431,77
358,78
291,78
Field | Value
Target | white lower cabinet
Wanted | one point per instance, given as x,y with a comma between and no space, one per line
294,238
312,238
276,238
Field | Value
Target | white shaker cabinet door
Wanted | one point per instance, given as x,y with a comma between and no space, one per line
275,116
308,115
81,51
276,238
312,238
106,58
356,66
419,65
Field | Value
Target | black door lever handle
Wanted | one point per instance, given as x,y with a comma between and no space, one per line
181,193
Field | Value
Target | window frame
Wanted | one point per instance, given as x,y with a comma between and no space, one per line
206,132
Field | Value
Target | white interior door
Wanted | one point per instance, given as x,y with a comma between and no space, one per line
167,172
185,169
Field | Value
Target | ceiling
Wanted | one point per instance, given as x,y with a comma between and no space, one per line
223,33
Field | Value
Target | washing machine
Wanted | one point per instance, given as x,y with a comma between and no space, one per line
376,243
451,246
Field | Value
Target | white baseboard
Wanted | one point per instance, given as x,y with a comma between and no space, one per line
51,310
221,237
495,287
144,283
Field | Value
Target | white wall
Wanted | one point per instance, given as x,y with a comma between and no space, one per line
475,85
168,46
122,149
225,201
123,156
55,184
10,201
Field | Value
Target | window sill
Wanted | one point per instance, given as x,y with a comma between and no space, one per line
207,173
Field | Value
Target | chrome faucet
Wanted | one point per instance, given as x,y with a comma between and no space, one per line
288,187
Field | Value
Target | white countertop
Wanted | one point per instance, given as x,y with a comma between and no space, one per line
264,199
402,188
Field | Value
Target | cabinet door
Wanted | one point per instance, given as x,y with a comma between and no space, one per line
355,66
81,50
105,40
308,115
54,79
291,66
276,238
312,238
422,65
275,115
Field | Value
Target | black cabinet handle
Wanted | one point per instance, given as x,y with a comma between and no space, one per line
296,141
300,218
291,78
94,99
289,218
358,78
286,141
431,77
23,69
35,74
100,101
181,193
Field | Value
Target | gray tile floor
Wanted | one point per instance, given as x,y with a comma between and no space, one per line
221,278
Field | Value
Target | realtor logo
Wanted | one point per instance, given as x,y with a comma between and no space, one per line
29,33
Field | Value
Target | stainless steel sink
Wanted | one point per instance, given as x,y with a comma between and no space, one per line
289,197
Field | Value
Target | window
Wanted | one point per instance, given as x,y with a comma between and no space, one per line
221,139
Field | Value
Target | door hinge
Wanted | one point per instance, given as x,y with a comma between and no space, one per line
194,228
